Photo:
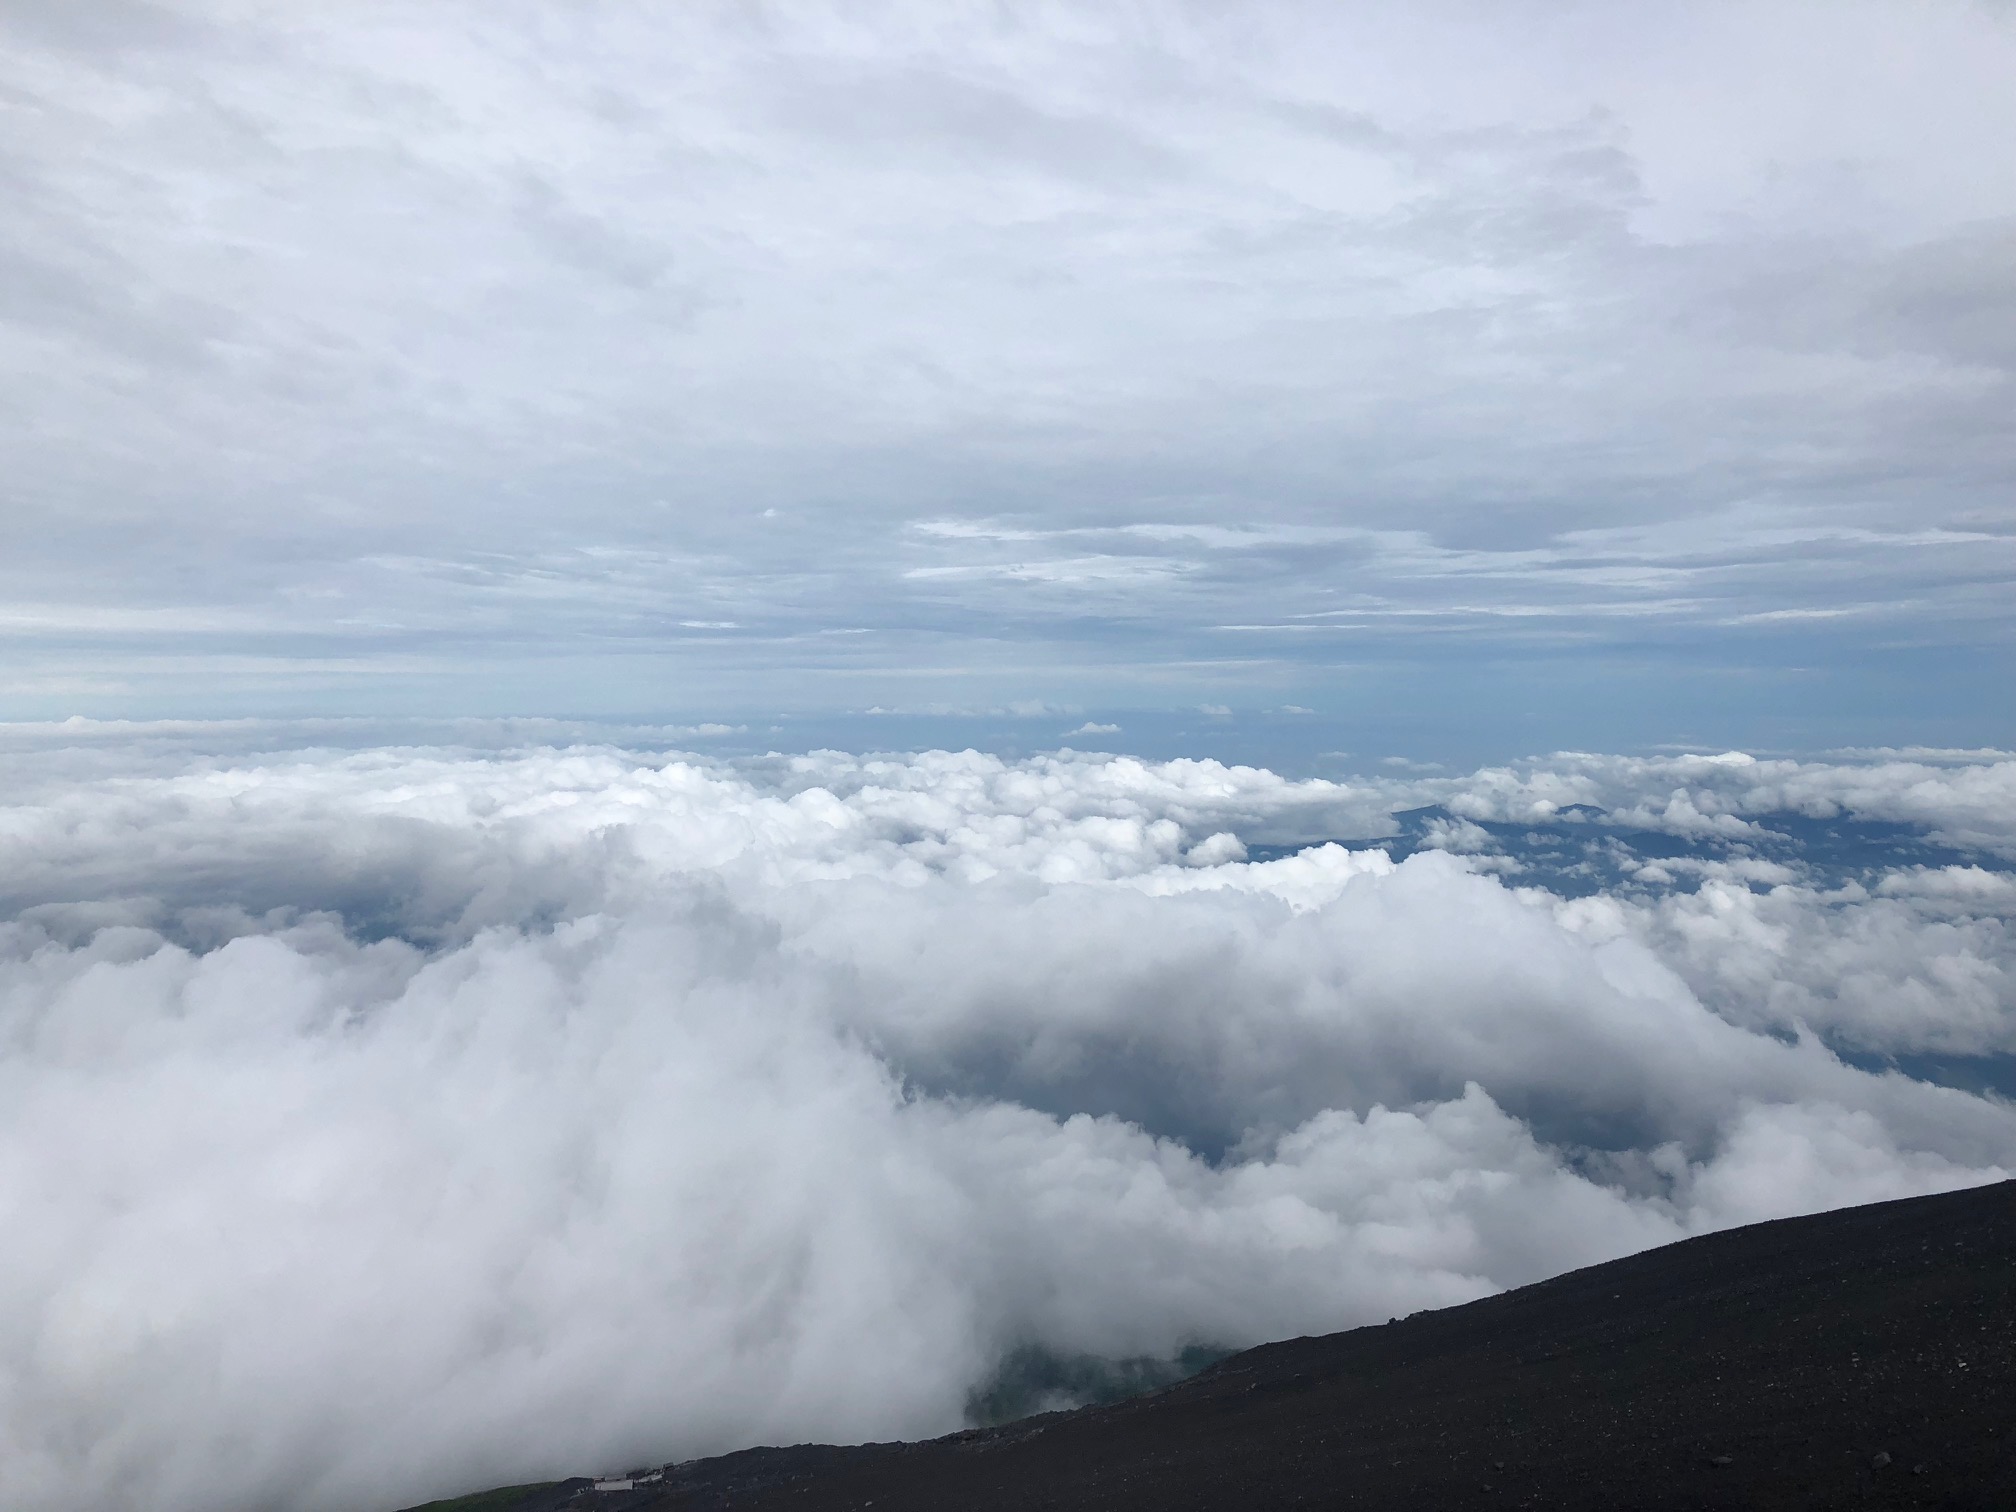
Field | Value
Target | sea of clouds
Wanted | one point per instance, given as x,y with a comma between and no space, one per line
381,1123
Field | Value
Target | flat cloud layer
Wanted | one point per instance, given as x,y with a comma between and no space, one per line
375,1124
501,356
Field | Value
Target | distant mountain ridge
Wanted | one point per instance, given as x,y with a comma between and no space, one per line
1859,1358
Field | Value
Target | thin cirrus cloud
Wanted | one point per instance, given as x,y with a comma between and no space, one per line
484,352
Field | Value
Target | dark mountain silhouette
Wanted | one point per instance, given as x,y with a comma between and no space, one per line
1861,1358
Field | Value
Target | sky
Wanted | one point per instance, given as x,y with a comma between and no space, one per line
1480,379
714,717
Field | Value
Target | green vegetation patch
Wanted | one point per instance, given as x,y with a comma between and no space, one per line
1033,1379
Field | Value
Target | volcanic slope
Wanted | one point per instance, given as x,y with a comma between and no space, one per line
1860,1358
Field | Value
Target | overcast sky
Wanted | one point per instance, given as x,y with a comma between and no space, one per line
1635,373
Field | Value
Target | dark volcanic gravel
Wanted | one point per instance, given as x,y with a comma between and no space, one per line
1863,1358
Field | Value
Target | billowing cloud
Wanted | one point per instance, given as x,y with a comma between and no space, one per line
378,1123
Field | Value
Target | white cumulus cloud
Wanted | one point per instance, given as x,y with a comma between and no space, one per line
379,1123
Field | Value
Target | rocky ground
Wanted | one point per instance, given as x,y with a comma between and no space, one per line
1862,1358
